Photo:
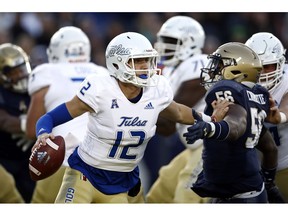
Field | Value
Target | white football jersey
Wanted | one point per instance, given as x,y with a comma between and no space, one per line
189,69
118,130
280,134
63,80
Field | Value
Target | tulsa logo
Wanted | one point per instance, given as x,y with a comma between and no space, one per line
130,121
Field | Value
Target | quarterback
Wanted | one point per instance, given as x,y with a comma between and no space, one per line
53,83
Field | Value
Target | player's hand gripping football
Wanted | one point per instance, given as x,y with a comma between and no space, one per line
41,140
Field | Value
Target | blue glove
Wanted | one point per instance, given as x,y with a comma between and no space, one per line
197,131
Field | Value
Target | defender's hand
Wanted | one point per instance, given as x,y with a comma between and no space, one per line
274,114
22,141
197,131
220,107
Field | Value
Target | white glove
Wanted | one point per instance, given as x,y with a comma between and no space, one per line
23,120
23,142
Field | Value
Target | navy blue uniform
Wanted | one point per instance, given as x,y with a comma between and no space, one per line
12,157
231,168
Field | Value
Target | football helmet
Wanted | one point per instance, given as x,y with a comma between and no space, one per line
121,54
232,61
14,68
69,45
271,51
179,38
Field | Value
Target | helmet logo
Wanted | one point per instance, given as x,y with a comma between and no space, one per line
119,50
276,49
74,52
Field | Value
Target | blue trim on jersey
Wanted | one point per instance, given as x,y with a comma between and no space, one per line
108,182
55,117
77,79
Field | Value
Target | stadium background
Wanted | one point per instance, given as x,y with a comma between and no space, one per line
32,31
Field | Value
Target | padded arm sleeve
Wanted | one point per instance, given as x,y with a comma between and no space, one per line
55,117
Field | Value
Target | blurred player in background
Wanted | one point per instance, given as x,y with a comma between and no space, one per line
180,42
15,147
53,83
274,77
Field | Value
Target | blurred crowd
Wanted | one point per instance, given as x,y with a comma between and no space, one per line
32,31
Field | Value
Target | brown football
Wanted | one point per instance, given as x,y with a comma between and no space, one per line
47,159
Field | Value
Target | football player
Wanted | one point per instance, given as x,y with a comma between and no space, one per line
15,147
123,109
231,169
53,83
273,77
180,41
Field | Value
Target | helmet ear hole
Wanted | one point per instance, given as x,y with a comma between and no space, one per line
116,66
236,72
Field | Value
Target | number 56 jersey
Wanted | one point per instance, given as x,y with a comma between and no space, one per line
240,153
118,130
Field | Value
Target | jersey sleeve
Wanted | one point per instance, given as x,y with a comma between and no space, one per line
165,91
39,78
87,92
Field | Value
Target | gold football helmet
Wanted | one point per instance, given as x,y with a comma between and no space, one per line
14,68
232,61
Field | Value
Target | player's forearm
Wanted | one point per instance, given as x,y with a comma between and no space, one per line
178,113
55,117
269,149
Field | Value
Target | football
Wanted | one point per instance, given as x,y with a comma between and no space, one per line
47,159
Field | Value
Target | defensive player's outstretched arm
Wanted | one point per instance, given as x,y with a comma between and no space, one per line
268,148
236,119
231,127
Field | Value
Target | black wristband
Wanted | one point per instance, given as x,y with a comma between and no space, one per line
268,174
221,130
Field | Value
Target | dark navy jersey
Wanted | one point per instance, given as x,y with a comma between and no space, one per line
15,104
232,167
